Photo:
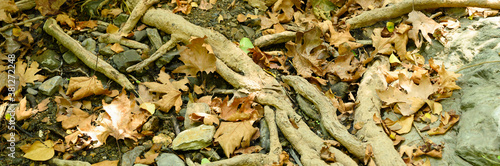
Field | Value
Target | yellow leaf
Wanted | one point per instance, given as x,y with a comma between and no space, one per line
112,29
117,48
390,26
394,59
150,107
39,151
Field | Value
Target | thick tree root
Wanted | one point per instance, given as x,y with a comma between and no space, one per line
84,55
140,8
328,114
276,38
369,106
371,17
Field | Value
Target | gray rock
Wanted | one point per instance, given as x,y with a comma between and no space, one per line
195,108
140,35
70,58
165,59
194,138
120,19
340,89
11,45
250,32
129,157
90,45
169,159
154,37
308,108
106,51
49,59
50,86
126,59
239,35
60,162
32,91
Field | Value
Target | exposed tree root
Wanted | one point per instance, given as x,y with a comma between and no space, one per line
328,114
162,50
371,17
21,23
276,38
84,55
369,106
115,38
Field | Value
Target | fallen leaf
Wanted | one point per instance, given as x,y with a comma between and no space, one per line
172,95
207,119
239,110
107,163
241,18
182,6
86,24
28,74
73,118
338,39
114,12
112,28
6,8
21,112
422,23
448,119
196,57
248,150
232,135
347,67
39,151
309,56
49,7
85,86
64,19
117,48
204,5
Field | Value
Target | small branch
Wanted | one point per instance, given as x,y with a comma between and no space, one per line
21,23
115,38
84,55
162,50
276,38
371,17
25,4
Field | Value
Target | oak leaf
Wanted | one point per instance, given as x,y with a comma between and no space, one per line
232,135
196,57
64,19
7,7
85,86
49,7
347,67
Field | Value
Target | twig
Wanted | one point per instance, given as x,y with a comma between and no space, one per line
115,38
276,38
162,50
466,67
84,55
21,23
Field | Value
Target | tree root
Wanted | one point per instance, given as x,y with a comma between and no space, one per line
116,38
21,23
369,106
328,114
84,55
276,38
162,50
371,17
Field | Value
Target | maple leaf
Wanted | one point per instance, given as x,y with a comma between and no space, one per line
49,7
240,109
347,67
85,86
397,42
28,74
423,24
287,7
121,120
232,135
448,119
74,117
308,53
182,6
64,19
342,39
196,57
446,80
172,95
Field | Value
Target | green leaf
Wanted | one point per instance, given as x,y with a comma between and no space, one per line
390,26
245,44
498,157
205,161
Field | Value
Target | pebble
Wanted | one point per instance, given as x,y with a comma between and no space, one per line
126,59
70,58
60,162
194,138
32,91
49,59
106,51
169,159
50,86
154,37
120,19
250,32
140,35
90,45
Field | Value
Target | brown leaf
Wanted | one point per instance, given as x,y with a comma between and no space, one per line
21,112
241,18
347,67
39,151
107,163
73,118
196,57
239,110
85,86
232,135
204,5
86,24
308,53
338,38
207,119
423,24
64,19
248,150
182,6
117,47
49,7
447,121
7,7
172,95
112,28
28,74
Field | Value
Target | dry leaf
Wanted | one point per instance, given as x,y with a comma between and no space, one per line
183,6
308,53
248,150
85,86
21,112
49,7
239,110
117,48
39,151
28,74
232,135
447,121
106,163
422,23
196,57
241,18
86,24
204,5
7,7
112,29
172,95
64,19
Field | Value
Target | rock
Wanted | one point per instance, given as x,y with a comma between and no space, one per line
169,159
239,35
140,165
308,108
250,32
120,19
195,108
106,51
164,139
165,59
90,45
50,86
11,45
32,91
126,59
49,59
60,162
265,135
154,37
151,125
340,89
129,157
140,35
194,138
70,58
102,28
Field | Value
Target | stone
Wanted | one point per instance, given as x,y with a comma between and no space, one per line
32,91
194,138
195,108
140,165
308,108
90,45
126,59
49,59
60,162
70,58
120,19
106,51
239,35
154,37
166,58
169,159
340,89
50,86
140,35
250,32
